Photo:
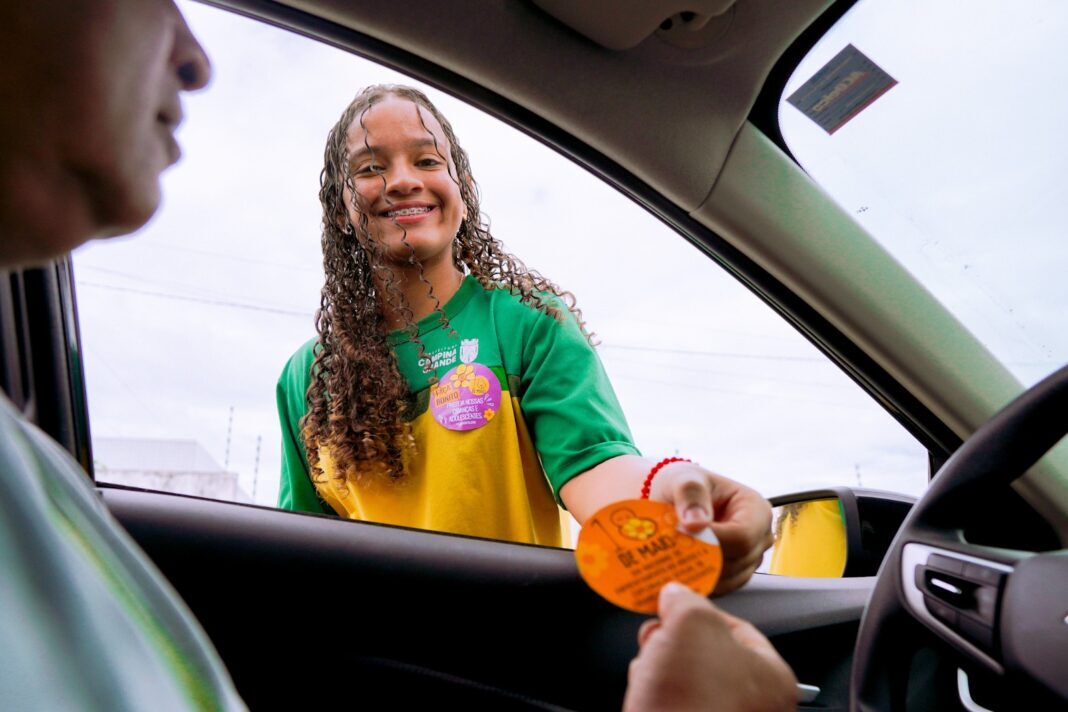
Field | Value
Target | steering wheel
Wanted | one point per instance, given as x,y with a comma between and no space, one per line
1000,610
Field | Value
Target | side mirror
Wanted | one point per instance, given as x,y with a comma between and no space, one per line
834,532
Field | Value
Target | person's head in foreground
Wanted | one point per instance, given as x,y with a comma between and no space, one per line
91,95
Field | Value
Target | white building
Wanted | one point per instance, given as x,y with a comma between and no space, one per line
179,466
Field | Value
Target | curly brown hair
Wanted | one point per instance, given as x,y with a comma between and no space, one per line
357,398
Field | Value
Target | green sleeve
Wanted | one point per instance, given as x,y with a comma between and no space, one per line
296,490
568,403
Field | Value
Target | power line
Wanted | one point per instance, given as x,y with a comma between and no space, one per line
750,394
153,280
294,312
710,329
718,354
616,347
197,300
730,374
225,256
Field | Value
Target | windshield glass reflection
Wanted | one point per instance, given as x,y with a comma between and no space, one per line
957,169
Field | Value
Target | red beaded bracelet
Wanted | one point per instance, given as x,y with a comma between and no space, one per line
648,484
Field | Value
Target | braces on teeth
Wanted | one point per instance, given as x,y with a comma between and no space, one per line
407,211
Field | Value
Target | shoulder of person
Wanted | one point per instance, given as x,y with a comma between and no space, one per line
507,302
299,364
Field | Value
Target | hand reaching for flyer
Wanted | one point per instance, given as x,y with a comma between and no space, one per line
697,657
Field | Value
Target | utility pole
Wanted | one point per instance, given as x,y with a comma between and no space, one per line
256,467
229,433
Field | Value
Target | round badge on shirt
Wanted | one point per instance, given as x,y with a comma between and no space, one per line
466,397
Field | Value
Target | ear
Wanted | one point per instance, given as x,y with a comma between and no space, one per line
343,223
346,218
471,187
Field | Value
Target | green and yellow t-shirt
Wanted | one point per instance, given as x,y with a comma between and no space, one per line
556,417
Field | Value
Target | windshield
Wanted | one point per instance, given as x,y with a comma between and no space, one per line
948,146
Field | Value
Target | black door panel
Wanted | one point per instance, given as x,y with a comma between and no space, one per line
309,611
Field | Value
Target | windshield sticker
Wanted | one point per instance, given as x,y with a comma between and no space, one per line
843,88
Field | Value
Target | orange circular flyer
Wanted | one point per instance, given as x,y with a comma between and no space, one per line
627,551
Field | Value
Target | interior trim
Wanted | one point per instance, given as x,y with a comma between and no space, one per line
267,584
913,555
765,112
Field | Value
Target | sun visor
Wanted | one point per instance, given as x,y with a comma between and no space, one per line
623,24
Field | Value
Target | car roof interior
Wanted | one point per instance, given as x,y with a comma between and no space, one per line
643,79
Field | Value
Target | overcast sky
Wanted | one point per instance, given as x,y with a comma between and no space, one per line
198,312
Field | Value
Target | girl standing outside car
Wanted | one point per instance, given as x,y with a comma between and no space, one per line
449,387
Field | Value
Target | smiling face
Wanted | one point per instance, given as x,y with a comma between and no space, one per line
405,183
92,101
